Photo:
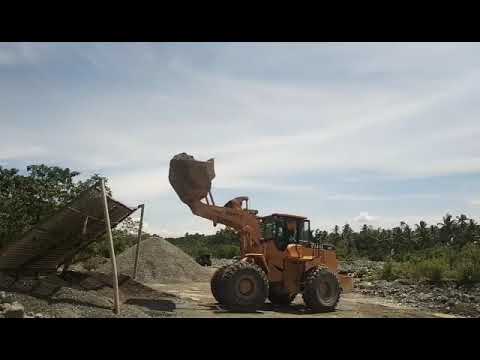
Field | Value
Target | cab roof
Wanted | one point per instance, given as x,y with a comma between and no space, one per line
288,216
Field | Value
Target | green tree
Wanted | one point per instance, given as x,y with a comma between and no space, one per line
423,239
25,200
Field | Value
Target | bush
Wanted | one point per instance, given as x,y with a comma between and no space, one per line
388,272
468,264
226,251
432,269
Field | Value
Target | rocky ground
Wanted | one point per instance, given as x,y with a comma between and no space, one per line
10,308
81,295
446,297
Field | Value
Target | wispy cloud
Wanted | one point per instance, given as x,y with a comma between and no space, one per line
14,152
284,122
367,197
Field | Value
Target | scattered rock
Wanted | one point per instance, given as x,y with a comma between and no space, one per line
6,280
24,285
48,286
424,297
13,310
217,263
447,296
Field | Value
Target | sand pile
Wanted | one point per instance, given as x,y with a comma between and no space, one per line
160,262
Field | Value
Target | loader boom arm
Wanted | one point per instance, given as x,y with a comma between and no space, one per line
246,224
191,180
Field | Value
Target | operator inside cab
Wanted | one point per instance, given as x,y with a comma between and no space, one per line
291,232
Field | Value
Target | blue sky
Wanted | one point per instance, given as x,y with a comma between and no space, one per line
370,133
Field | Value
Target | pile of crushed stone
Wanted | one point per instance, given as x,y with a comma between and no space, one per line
81,295
159,262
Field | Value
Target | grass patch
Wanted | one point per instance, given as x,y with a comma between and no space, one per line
437,265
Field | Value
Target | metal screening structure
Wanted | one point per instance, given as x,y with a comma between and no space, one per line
55,241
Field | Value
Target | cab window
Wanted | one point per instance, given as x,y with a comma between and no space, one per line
268,230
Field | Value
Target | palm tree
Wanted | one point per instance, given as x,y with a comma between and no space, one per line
463,236
462,221
335,236
422,234
447,228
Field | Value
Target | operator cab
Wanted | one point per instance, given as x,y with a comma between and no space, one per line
286,229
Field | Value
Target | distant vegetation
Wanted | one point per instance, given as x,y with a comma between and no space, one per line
224,244
448,249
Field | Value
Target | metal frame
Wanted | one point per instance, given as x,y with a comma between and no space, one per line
60,252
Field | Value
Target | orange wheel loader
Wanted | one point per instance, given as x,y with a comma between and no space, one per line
278,259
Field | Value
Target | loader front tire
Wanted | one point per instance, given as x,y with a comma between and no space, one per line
216,285
322,290
245,287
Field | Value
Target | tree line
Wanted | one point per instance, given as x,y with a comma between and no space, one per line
403,240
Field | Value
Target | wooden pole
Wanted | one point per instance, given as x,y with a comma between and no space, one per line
116,300
139,237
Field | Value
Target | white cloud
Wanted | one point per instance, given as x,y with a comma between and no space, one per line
400,111
364,217
140,186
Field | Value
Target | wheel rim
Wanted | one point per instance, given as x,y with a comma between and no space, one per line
246,287
325,291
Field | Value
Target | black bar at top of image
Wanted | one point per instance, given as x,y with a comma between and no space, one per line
314,26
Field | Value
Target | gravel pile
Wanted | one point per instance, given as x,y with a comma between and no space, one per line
159,262
84,295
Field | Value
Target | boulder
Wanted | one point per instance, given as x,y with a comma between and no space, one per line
13,310
5,297
6,280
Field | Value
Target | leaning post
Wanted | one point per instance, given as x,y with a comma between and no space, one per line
139,238
112,250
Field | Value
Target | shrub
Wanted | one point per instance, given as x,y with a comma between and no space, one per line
226,251
388,272
468,264
432,269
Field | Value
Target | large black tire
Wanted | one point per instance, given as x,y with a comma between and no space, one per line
245,287
279,295
216,286
322,290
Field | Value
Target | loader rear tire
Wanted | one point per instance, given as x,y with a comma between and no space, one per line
245,287
216,286
279,295
322,290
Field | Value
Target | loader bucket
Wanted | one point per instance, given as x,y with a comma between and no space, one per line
191,179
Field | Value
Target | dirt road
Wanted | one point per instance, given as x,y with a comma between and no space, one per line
197,301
